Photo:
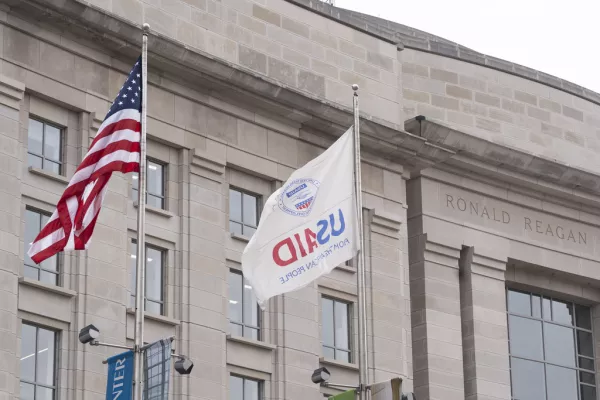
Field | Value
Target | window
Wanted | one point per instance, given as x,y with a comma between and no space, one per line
38,363
244,312
154,278
551,348
44,146
244,388
155,185
336,329
47,270
243,213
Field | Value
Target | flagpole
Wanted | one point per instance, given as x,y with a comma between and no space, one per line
363,360
138,372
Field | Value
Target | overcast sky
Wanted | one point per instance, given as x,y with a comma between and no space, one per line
559,37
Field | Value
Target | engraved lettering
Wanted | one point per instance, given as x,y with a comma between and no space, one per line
538,226
494,212
449,200
474,208
464,204
505,217
571,236
528,224
582,238
560,234
549,229
485,212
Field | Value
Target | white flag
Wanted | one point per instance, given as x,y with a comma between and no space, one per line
307,227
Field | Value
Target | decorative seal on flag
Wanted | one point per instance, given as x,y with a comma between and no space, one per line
298,197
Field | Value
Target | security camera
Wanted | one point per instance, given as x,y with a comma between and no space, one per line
320,375
89,334
184,366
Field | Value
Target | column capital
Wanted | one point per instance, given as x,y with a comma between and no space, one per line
483,264
439,253
11,92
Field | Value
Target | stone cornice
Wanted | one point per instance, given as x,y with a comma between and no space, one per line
411,38
227,80
510,165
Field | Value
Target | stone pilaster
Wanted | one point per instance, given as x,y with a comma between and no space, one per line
436,323
484,326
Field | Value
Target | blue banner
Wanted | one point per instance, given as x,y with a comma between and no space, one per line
120,377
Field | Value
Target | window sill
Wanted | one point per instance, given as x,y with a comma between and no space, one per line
241,238
341,364
346,268
157,211
251,342
47,287
49,175
156,317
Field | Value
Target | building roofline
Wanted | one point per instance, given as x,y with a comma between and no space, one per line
411,38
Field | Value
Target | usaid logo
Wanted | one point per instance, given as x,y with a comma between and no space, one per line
298,197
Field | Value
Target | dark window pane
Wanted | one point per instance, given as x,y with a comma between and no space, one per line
250,389
248,231
583,317
525,337
50,264
153,274
328,352
52,167
34,161
31,272
42,393
562,383
519,303
586,377
45,357
250,305
588,392
559,344
235,329
235,297
235,228
546,307
236,388
235,206
536,306
527,379
562,312
134,186
249,203
341,325
28,352
586,363
52,143
341,355
155,179
27,391
327,322
585,343
32,229
35,136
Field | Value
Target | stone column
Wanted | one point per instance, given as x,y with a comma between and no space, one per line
436,324
11,167
485,334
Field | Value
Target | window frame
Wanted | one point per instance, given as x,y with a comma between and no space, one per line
38,267
543,320
55,362
243,192
349,314
163,196
243,324
132,294
261,385
61,139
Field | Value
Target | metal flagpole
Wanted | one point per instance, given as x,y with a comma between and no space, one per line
141,242
363,363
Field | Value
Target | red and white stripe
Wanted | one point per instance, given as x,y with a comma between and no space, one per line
116,148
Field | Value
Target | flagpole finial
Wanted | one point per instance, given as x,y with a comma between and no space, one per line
146,28
355,87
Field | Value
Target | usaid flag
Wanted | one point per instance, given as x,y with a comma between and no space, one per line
120,376
307,227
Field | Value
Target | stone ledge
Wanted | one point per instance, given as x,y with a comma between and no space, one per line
340,364
49,175
241,238
159,318
47,287
345,268
251,342
157,211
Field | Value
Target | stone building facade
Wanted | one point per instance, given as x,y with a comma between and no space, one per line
480,188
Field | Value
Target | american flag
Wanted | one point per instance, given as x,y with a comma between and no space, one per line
116,148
